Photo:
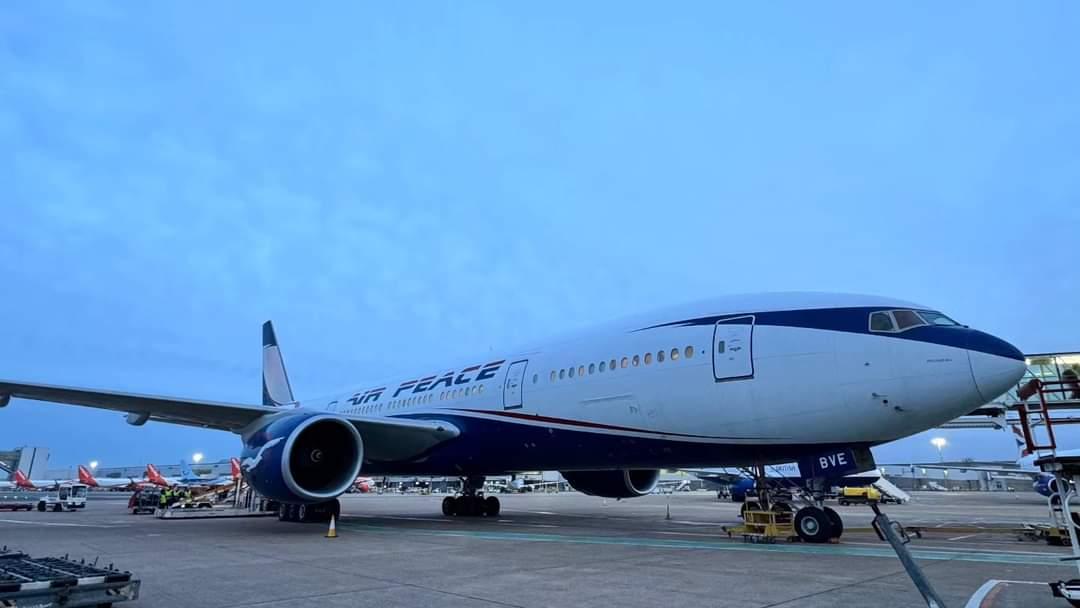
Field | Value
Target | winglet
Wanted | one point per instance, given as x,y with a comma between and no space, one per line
275,382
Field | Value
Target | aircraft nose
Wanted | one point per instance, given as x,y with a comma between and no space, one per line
996,365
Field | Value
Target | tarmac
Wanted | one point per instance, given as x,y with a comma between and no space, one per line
562,549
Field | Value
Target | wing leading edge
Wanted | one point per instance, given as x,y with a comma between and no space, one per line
385,439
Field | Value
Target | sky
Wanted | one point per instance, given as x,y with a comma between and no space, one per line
399,186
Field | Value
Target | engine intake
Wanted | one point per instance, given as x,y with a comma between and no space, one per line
303,458
618,483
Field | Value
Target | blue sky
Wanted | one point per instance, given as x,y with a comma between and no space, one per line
400,186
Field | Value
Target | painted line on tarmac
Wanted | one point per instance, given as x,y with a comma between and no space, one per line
962,537
999,557
989,591
28,522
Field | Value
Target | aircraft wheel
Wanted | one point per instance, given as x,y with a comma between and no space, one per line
283,512
449,506
491,506
303,513
334,508
748,506
837,523
58,508
813,525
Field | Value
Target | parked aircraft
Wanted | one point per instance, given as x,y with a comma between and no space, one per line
736,381
1043,483
86,477
188,477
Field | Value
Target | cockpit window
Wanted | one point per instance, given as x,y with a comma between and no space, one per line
906,319
936,318
881,321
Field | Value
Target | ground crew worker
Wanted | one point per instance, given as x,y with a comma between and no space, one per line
187,495
163,499
168,494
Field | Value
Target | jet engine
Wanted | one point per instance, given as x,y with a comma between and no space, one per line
4,399
303,458
618,483
1045,485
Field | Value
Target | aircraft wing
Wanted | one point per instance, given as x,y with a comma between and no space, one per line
385,439
981,469
207,414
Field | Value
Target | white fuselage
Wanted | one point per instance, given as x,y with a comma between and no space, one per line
727,382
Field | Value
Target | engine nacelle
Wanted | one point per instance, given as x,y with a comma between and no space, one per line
1045,485
5,399
303,458
618,483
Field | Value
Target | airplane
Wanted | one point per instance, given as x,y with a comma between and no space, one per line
190,478
86,477
1043,483
20,480
811,378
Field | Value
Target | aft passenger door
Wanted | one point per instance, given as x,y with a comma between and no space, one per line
515,377
733,352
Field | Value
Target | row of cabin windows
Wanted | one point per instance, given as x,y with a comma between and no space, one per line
462,392
901,320
419,400
614,364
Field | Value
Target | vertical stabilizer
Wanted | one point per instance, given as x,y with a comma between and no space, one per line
276,389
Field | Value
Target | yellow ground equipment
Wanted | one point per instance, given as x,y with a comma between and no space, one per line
761,526
859,496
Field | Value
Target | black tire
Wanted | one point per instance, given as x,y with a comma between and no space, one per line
333,508
781,507
491,506
836,521
748,506
283,512
813,525
41,507
58,508
449,506
303,513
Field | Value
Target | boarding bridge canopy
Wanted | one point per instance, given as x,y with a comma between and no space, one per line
1053,368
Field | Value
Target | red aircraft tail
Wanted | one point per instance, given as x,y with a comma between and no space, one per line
234,464
86,477
154,476
21,481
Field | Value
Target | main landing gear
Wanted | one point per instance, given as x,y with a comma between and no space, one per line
472,502
318,512
818,523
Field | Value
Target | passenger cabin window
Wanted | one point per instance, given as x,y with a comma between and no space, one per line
648,358
881,321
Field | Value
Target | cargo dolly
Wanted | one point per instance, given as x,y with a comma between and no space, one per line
58,581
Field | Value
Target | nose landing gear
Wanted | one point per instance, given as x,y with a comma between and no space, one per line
472,502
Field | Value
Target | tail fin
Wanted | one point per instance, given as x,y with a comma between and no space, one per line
85,476
275,382
21,480
1021,443
5,470
185,469
234,465
154,476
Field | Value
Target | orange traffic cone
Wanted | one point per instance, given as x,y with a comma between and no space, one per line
332,532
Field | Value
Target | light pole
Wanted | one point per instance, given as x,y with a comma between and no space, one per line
93,465
939,443
197,457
